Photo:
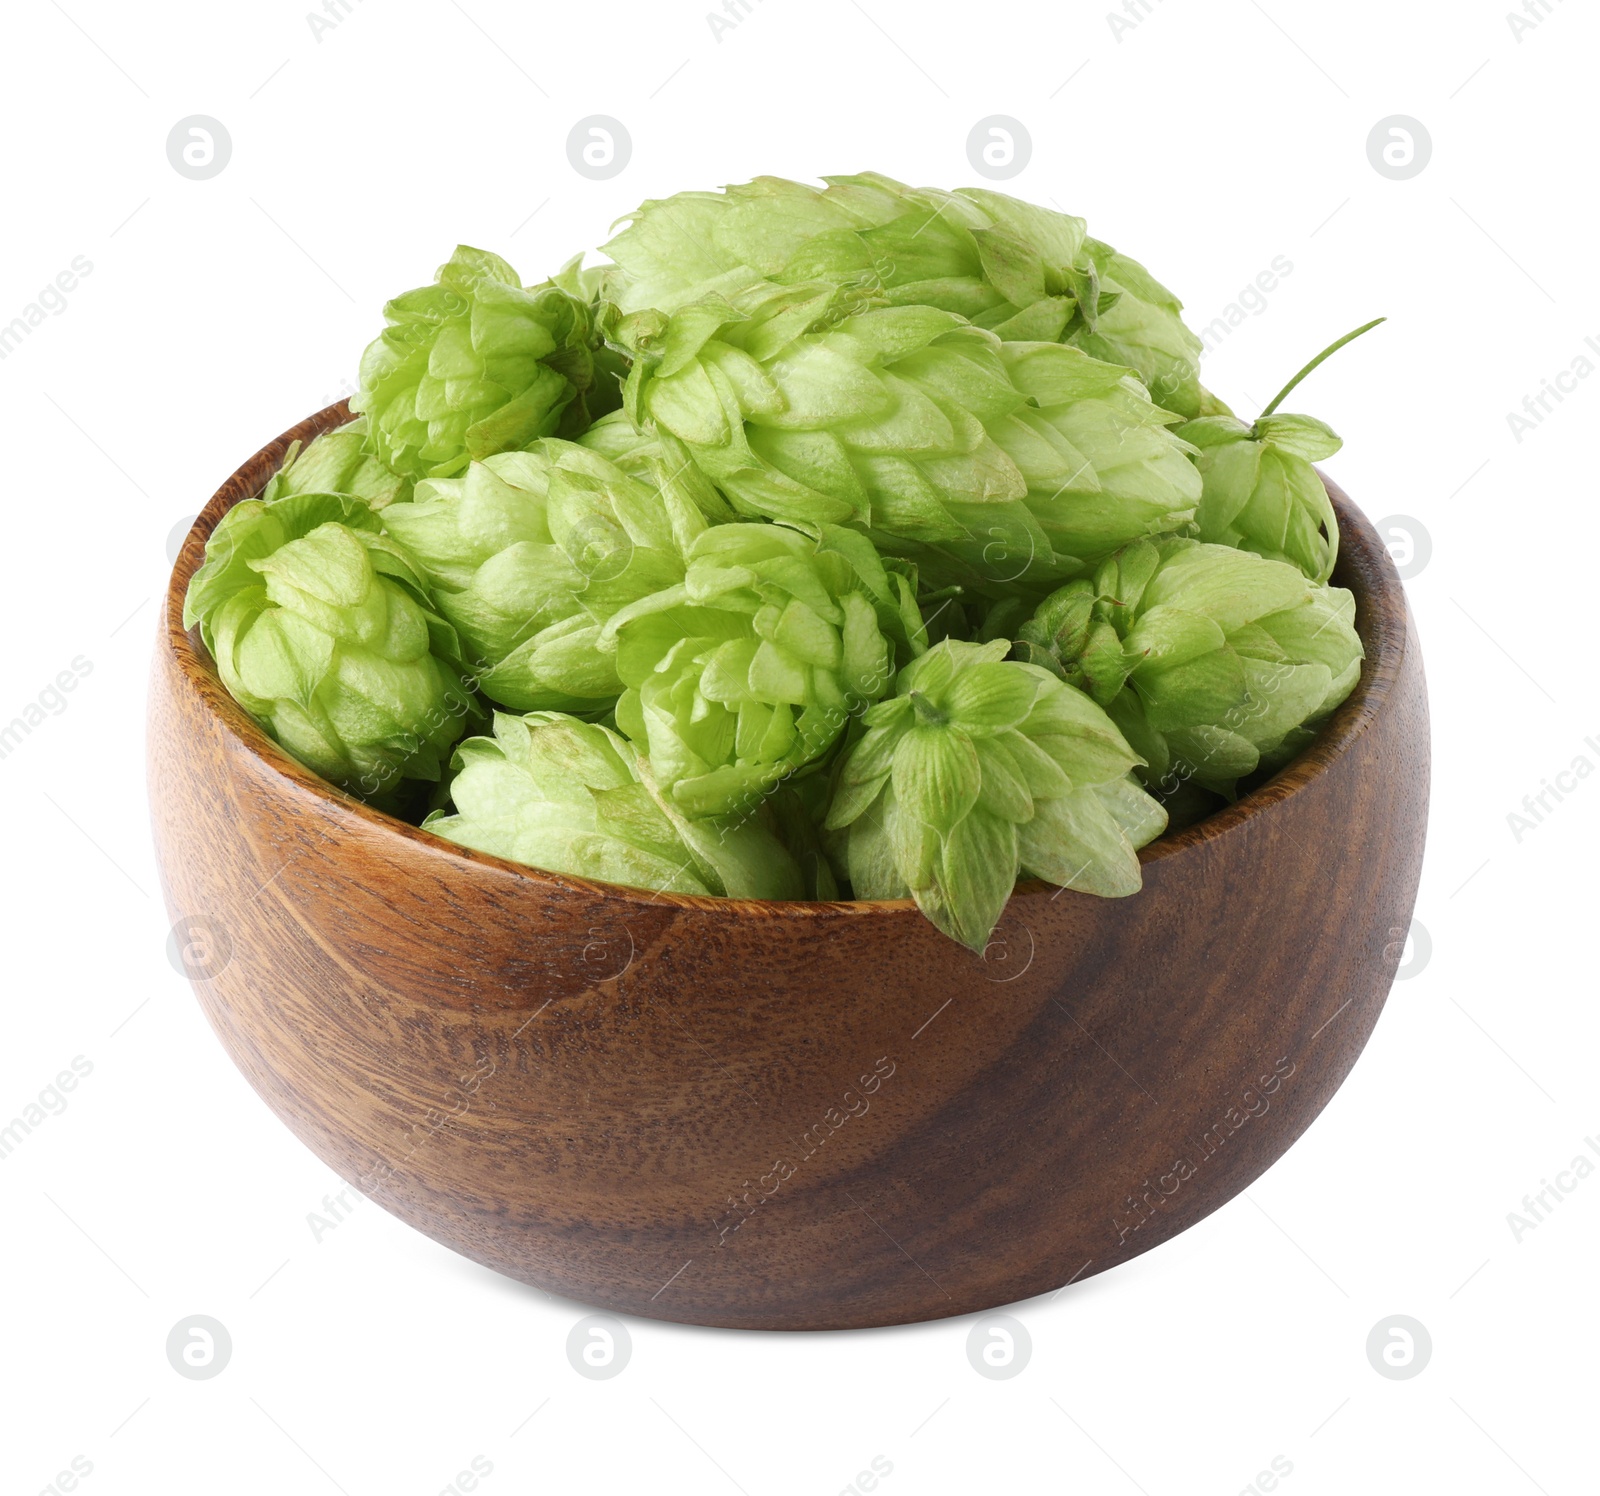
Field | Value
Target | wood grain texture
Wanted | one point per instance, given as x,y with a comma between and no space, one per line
792,1116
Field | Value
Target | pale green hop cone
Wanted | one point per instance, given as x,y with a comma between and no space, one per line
750,669
1260,492
572,797
1029,273
475,364
338,461
530,552
320,629
1215,662
977,770
990,464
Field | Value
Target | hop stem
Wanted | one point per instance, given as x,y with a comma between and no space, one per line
1326,353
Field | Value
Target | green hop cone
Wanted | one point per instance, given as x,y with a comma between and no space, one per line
1260,492
338,461
1214,662
980,768
751,667
991,465
1027,272
321,630
530,552
475,364
572,797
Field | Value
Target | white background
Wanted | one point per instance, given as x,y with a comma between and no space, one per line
1207,140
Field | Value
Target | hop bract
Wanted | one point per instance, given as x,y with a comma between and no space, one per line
979,768
474,364
572,797
751,667
1214,662
321,631
530,552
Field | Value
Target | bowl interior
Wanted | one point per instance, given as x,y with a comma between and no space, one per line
1364,567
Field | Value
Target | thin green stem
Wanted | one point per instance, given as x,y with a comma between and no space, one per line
1326,353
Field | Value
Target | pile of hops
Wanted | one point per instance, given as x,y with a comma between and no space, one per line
862,541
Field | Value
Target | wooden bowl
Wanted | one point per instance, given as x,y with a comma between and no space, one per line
789,1115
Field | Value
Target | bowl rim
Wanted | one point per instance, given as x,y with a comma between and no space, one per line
1364,566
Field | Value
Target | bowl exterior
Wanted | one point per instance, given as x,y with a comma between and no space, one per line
791,1116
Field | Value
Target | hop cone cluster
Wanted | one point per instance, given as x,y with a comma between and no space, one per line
853,540
321,630
1213,661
